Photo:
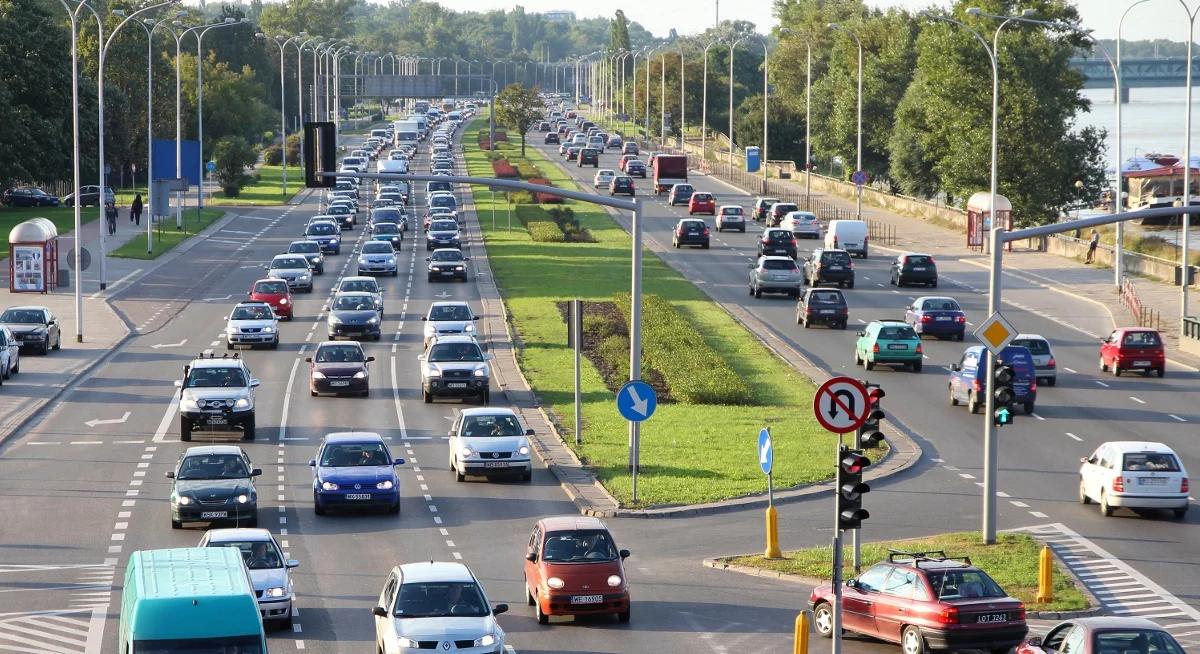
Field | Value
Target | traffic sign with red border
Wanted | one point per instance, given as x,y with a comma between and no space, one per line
841,404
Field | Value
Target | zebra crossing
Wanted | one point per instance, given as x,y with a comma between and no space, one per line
47,627
1120,588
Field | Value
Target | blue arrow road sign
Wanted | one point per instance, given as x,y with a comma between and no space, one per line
636,401
211,166
766,451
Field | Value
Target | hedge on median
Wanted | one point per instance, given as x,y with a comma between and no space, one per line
545,231
695,373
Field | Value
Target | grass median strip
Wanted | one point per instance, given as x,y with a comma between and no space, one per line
1012,562
690,452
166,236
267,189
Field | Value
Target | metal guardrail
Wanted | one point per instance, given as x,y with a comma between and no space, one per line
1191,328
1144,315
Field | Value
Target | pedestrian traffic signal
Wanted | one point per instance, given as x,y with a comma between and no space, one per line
850,489
1003,394
869,435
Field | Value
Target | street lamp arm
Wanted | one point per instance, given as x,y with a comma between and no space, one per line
978,37
112,34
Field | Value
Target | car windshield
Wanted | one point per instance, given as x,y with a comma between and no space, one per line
446,352
443,226
338,210
376,248
963,584
349,455
258,554
288,263
437,186
1150,462
896,333
271,288
779,264
321,230
439,599
446,255
1138,641
386,228
252,312
825,297
578,546
212,466
23,316
484,426
944,304
216,378
339,354
353,303
450,312
1141,339
304,247
360,285
443,201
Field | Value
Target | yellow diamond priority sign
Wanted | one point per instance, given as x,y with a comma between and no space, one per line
996,333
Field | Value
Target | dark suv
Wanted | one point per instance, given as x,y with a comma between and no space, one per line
823,306
779,211
691,231
914,268
829,267
552,138
589,157
925,601
777,242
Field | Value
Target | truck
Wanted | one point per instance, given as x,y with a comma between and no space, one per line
406,132
421,107
669,169
422,122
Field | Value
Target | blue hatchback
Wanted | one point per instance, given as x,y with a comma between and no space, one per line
355,470
968,377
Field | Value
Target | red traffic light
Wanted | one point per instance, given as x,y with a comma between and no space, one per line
854,463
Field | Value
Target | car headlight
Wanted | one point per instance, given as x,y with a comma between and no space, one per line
524,450
372,320
481,372
242,499
458,268
391,261
466,451
188,404
242,403
268,330
283,301
316,374
334,320
184,500
401,641
361,374
487,640
614,580
469,328
329,486
385,485
305,276
362,261
554,582
230,329
434,372
277,591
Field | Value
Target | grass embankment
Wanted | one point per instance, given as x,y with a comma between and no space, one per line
1012,562
267,189
166,236
690,452
62,217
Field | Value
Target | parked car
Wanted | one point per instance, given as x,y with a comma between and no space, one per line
28,196
888,342
89,196
822,306
1136,475
573,567
829,267
33,327
1043,357
731,216
690,231
775,275
1103,634
702,203
1125,349
914,268
938,316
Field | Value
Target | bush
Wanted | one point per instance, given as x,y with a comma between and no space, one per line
695,373
615,351
521,197
294,143
544,231
273,155
505,170
544,198
233,156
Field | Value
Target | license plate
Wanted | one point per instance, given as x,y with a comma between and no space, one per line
918,269
1152,481
358,496
217,420
826,311
447,272
587,599
495,464
944,318
835,267
457,384
212,515
339,383
992,617
1141,364
897,346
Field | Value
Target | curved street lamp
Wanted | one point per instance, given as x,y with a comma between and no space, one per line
704,102
858,165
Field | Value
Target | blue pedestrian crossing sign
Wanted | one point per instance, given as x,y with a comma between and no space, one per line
766,451
636,401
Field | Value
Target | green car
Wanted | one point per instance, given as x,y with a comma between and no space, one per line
891,342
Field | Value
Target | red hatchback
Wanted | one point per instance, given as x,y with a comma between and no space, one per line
625,158
1133,348
702,203
275,293
573,567
925,601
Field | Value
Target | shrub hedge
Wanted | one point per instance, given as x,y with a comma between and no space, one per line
503,169
545,231
695,373
544,198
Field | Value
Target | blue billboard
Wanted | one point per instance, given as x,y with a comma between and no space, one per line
164,160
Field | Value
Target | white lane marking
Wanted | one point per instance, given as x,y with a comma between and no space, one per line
1075,437
1035,415
1069,370
1101,383
1038,514
1139,401
1177,417
287,400
168,416
1019,504
396,400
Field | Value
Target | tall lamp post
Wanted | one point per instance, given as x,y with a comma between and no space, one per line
200,100
282,41
75,165
1118,196
808,119
704,103
682,106
1185,262
858,166
151,26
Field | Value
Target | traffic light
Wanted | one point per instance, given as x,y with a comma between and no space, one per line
1003,394
869,435
850,489
320,154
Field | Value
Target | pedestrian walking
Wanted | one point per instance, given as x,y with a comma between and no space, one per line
110,215
1092,245
135,210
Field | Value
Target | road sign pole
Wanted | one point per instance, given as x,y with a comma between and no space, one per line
577,331
635,333
989,429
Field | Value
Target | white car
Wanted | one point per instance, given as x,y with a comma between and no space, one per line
10,354
448,318
267,567
802,224
603,177
252,323
436,606
1134,474
292,268
490,442
731,216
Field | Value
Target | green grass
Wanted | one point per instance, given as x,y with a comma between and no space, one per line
1012,562
690,453
62,217
168,237
268,189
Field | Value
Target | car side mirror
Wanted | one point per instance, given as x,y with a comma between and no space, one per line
291,563
428,258
852,583
500,608
398,462
624,554
955,367
1084,459
466,258
423,319
474,317
256,472
529,432
178,383
312,463
370,359
52,321
379,612
531,557
1035,641
255,383
862,333
307,359
170,474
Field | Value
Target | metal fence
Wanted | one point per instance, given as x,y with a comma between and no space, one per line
1191,328
1144,315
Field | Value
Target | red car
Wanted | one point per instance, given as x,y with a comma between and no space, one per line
625,158
1133,348
702,203
573,567
925,601
275,293
1101,634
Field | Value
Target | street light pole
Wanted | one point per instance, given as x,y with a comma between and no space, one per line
1185,258
704,104
682,106
282,41
1118,197
75,169
732,49
200,102
858,166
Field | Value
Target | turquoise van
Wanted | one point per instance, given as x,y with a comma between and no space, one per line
195,600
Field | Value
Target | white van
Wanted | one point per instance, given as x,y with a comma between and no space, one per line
848,235
393,166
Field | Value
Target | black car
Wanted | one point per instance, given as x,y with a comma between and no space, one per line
447,263
89,196
214,483
630,147
354,315
28,196
311,251
589,157
829,267
822,306
778,212
390,215
622,184
338,368
544,126
691,231
777,242
636,169
552,138
914,268
345,216
34,327
442,233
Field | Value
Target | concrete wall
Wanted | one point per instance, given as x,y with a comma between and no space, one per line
1135,263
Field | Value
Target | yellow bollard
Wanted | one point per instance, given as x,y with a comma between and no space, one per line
801,640
772,551
1045,576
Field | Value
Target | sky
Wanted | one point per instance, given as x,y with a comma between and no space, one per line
692,16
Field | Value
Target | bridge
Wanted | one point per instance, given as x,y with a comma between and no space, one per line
1136,72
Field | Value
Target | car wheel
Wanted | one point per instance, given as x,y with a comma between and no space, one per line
45,349
17,368
1028,406
426,397
253,521
175,524
1083,498
486,397
743,230
868,364
973,403
1105,509
934,284
823,619
1180,512
228,345
850,285
1161,373
916,367
248,430
394,509
1050,381
857,361
317,508
1103,366
286,623
1116,370
912,642
757,292
805,323
542,618
953,400
799,320
623,617
185,429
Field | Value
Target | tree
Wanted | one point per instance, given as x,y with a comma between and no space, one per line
518,108
618,39
233,156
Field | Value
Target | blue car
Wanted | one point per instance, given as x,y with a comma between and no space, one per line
327,234
355,470
968,377
937,316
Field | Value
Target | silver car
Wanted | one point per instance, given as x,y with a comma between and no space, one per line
438,603
362,285
377,258
448,318
775,275
252,323
1043,357
293,269
803,224
731,216
269,571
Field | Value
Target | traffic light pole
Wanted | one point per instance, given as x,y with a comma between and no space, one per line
990,449
836,577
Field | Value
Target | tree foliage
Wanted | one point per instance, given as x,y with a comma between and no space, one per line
233,155
518,108
618,39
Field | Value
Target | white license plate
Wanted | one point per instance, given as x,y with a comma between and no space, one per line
457,384
358,496
916,269
897,346
217,420
447,272
992,617
496,464
1152,481
339,383
587,599
835,267
213,515
944,318
1140,364
825,311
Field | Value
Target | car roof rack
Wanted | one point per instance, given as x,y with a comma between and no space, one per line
930,556
213,355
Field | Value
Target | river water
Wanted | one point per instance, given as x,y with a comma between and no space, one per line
1152,121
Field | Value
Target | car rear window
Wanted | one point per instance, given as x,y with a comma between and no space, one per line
826,297
779,264
692,225
944,304
777,235
963,584
701,197
917,260
1141,339
835,257
1035,346
781,208
896,332
1150,462
731,211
